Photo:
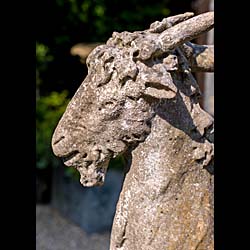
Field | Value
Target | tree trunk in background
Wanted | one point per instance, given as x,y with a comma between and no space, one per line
205,80
209,77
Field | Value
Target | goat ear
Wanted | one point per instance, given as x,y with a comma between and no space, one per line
159,93
158,82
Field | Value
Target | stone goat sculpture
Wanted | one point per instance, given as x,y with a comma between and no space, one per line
140,99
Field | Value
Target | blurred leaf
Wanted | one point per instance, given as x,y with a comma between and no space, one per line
49,109
165,11
99,10
42,54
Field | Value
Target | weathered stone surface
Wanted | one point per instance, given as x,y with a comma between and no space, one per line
167,196
141,97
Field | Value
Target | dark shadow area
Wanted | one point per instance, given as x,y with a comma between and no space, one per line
128,161
43,185
175,112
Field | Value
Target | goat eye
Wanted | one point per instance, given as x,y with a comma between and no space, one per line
108,105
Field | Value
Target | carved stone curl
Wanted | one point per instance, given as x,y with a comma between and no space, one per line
141,99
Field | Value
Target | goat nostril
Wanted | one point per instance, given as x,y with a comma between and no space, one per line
70,155
58,140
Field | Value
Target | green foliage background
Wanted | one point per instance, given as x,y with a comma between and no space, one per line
64,23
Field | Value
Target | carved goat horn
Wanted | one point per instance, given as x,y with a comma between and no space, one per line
158,27
186,31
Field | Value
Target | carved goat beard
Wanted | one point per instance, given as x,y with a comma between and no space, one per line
92,166
93,170
93,175
93,163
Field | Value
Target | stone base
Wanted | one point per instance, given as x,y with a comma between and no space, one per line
92,209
